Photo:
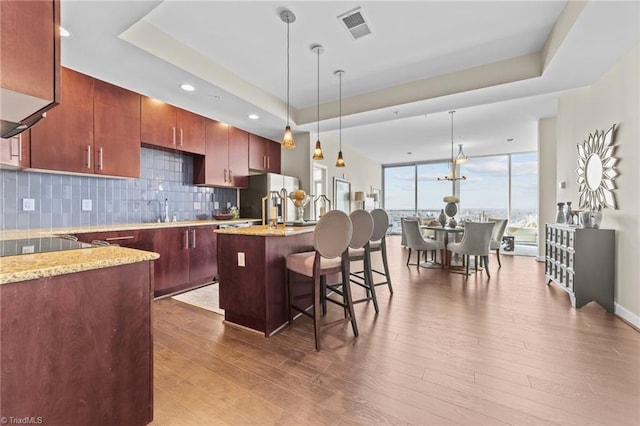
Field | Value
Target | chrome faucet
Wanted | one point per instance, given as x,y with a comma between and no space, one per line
166,210
159,218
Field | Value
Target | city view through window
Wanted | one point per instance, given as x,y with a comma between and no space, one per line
504,186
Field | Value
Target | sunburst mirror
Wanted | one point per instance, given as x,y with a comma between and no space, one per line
596,171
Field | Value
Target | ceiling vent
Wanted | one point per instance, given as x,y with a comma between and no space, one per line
355,23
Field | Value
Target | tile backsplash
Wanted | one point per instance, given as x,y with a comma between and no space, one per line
58,198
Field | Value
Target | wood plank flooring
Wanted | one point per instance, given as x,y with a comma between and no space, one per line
444,350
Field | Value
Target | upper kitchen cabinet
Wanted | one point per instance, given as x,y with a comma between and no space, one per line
225,161
63,141
96,130
264,155
170,127
116,124
29,62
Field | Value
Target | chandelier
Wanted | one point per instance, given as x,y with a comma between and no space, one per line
455,161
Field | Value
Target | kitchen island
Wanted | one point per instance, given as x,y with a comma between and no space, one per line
76,337
252,273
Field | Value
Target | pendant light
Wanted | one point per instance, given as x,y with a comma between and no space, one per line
340,161
453,164
287,140
317,153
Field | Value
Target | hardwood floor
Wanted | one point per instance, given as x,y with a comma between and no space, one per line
443,350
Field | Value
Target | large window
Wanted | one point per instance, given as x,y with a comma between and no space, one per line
486,188
503,186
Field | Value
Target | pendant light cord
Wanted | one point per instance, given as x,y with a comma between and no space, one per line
287,70
318,51
340,112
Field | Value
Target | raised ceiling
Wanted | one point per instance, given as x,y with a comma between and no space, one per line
500,64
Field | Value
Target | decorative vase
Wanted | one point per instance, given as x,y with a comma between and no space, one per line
569,215
442,218
452,222
591,219
560,215
451,209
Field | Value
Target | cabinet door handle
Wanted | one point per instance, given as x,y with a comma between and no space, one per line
264,161
186,240
88,156
268,162
230,176
181,136
225,175
100,158
193,238
173,129
126,237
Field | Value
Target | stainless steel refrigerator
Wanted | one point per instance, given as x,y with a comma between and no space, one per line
259,185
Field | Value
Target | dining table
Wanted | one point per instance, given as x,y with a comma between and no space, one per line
447,231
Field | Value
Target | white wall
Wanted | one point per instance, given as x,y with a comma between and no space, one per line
362,172
547,183
613,99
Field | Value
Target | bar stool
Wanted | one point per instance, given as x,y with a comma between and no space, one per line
331,238
362,222
378,243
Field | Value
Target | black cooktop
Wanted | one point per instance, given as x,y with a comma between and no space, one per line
38,245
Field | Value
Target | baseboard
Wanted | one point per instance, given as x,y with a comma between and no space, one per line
627,316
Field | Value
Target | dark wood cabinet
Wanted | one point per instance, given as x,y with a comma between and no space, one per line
264,154
77,349
225,162
136,239
29,60
203,263
255,296
167,126
96,130
116,130
172,269
188,254
64,139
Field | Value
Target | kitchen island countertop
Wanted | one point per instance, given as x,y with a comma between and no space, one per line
266,231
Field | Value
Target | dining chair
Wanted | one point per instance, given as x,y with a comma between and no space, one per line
475,242
496,236
331,238
359,250
416,241
378,244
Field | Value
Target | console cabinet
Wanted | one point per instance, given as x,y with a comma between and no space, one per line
582,262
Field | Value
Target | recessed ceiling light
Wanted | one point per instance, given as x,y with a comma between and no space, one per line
510,140
187,87
64,32
254,116
409,153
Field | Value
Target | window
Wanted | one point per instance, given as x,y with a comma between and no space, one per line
319,186
486,188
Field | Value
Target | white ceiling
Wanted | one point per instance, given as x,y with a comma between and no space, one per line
500,64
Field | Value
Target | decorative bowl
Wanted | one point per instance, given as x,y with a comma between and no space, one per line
223,216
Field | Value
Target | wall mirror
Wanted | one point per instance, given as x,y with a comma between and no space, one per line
596,170
342,194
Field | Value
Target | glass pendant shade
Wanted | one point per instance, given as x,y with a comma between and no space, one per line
461,158
340,162
317,153
287,140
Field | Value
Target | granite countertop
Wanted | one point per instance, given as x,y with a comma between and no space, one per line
36,233
265,231
32,266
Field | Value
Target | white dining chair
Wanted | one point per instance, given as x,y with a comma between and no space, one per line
475,242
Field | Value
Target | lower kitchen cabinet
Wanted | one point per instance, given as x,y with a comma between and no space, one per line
187,254
77,349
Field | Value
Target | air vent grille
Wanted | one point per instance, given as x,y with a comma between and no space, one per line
355,23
